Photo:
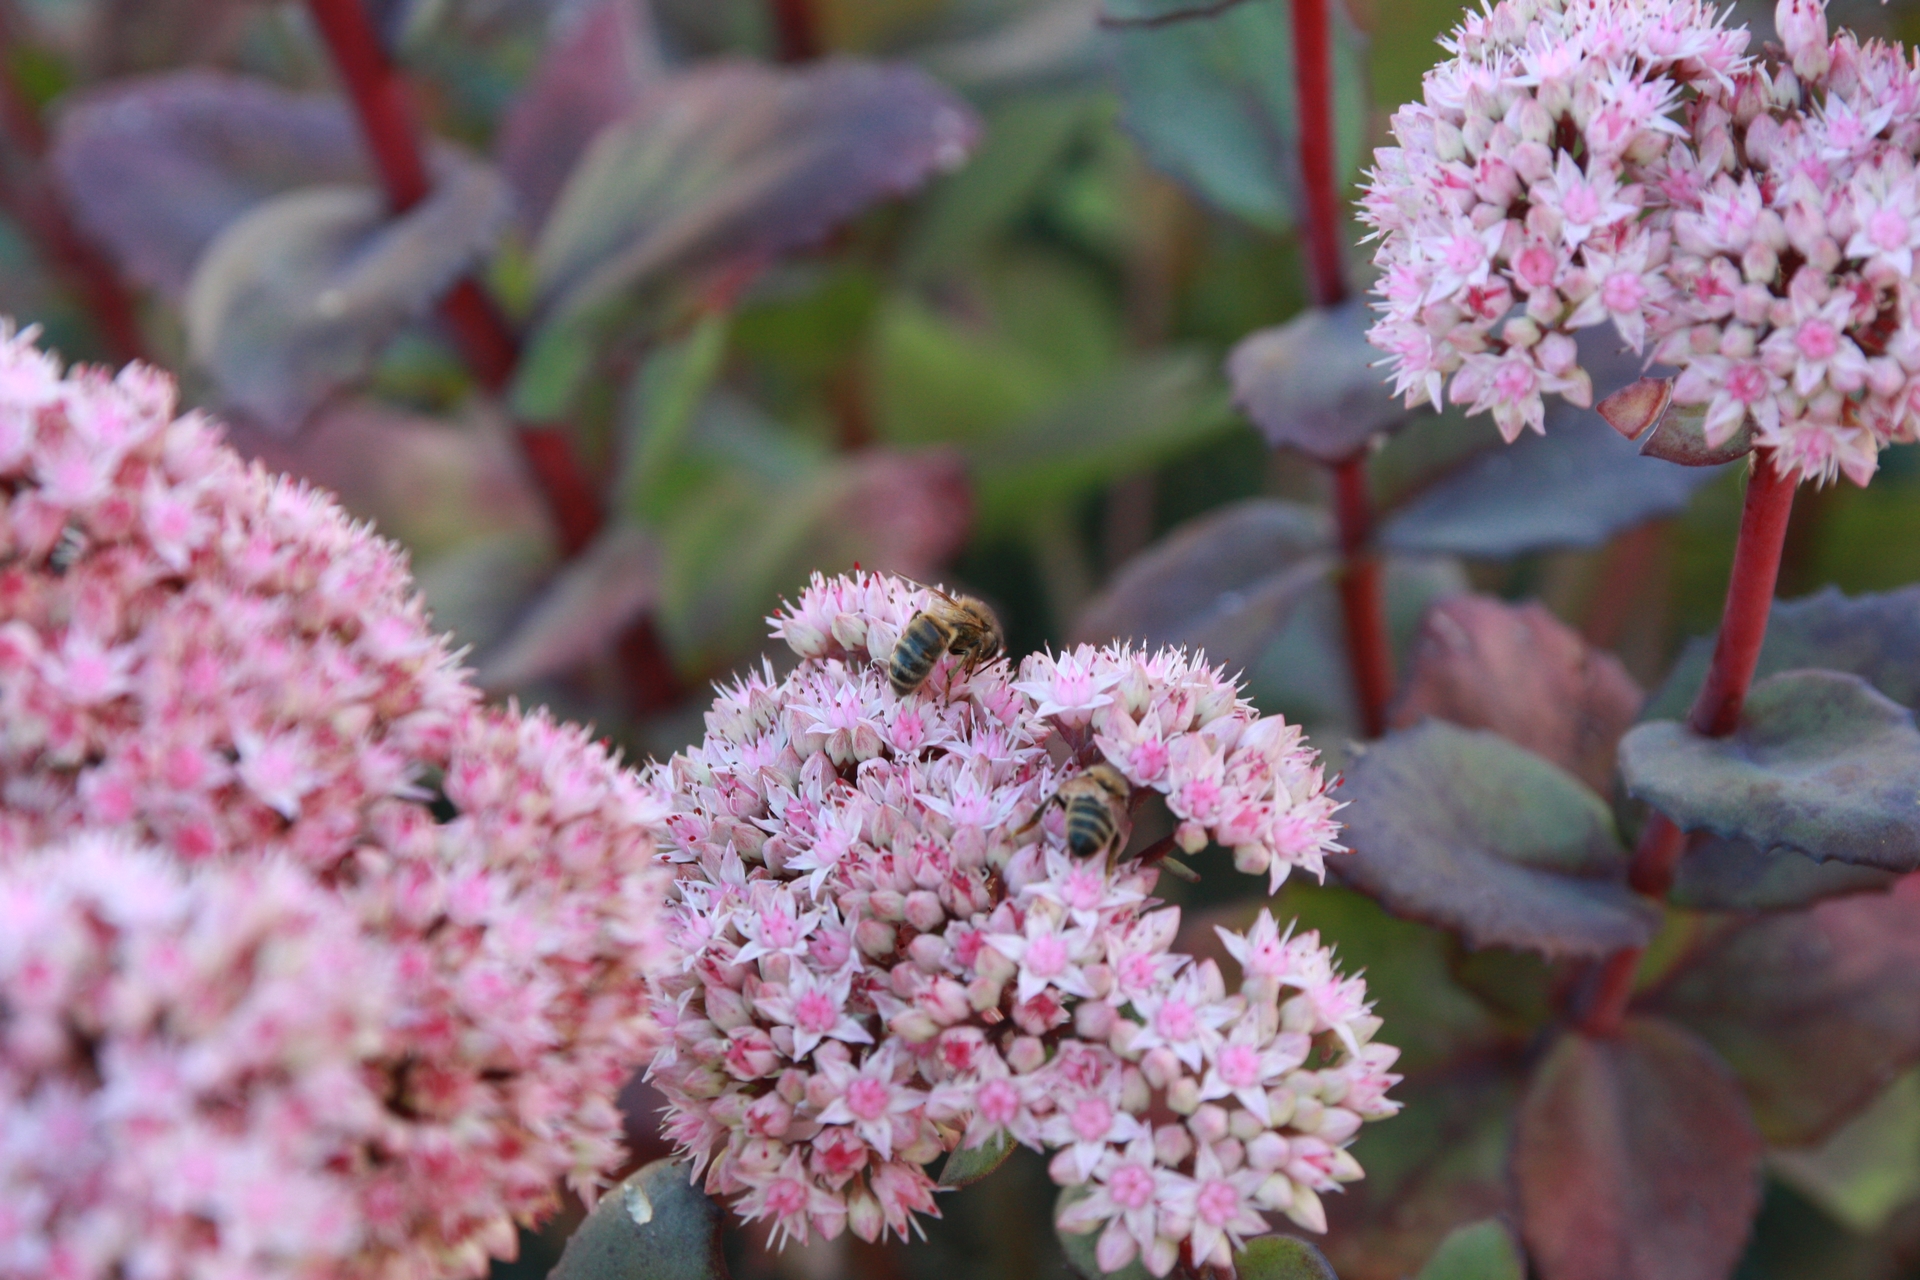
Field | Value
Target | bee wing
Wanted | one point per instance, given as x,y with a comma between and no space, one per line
925,587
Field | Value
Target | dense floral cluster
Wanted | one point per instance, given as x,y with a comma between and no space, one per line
890,955
1752,223
217,665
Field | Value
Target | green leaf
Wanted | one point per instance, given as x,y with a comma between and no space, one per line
967,1165
1870,1166
1876,637
296,298
1478,1251
1636,1159
1211,97
1815,1010
1821,763
654,1226
1282,1258
1224,583
663,398
1463,829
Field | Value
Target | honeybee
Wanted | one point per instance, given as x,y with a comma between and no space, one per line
1094,804
960,625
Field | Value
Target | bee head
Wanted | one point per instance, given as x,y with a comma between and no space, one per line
1110,780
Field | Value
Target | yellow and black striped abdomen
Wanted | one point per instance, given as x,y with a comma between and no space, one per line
1090,824
918,648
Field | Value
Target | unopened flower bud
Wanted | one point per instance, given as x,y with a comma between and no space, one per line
1026,1055
1183,1096
928,951
923,911
1172,1144
875,940
1209,1123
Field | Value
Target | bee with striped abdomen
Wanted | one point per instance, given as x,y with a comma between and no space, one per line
1094,804
959,625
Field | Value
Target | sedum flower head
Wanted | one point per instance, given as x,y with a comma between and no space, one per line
218,665
889,954
1751,222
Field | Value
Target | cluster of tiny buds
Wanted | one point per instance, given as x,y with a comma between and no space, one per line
1750,222
891,953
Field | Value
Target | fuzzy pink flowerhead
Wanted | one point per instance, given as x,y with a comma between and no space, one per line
889,953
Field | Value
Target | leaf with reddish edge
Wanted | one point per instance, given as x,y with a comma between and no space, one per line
1876,637
1463,829
1821,763
1816,1010
1223,583
1729,875
742,161
1516,669
581,612
1441,1163
654,1226
298,297
1636,406
1310,384
156,167
1636,1159
1681,437
589,77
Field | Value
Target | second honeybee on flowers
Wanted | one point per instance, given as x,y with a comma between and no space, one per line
960,625
1094,804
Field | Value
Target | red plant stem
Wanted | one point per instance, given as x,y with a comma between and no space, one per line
1368,651
796,35
39,208
393,133
1313,60
1716,709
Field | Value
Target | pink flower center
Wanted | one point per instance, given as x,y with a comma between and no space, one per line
1622,292
1465,254
1240,1066
1083,889
815,1013
1175,1020
1046,956
1581,206
1817,340
786,1197
1887,229
1535,266
1091,1119
1514,381
1131,1187
1746,383
997,1102
777,928
1217,1203
867,1098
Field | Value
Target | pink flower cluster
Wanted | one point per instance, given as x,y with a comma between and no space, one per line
219,667
1750,222
889,954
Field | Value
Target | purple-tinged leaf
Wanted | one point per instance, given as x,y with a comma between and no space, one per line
1636,1159
1876,637
1463,829
298,297
1681,437
581,612
1310,384
1636,406
657,1225
1729,875
1817,1011
1516,669
157,167
1224,583
742,161
1822,763
591,76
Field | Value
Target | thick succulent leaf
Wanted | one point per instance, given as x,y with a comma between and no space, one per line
1636,406
581,612
1816,1010
1729,875
155,167
1576,486
1224,583
967,1165
1635,1159
1480,1251
1080,1246
1282,1258
742,160
1209,93
1822,763
1310,384
1870,1166
591,75
1681,437
654,1226
297,297
1518,670
1463,829
1876,637
1442,1162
